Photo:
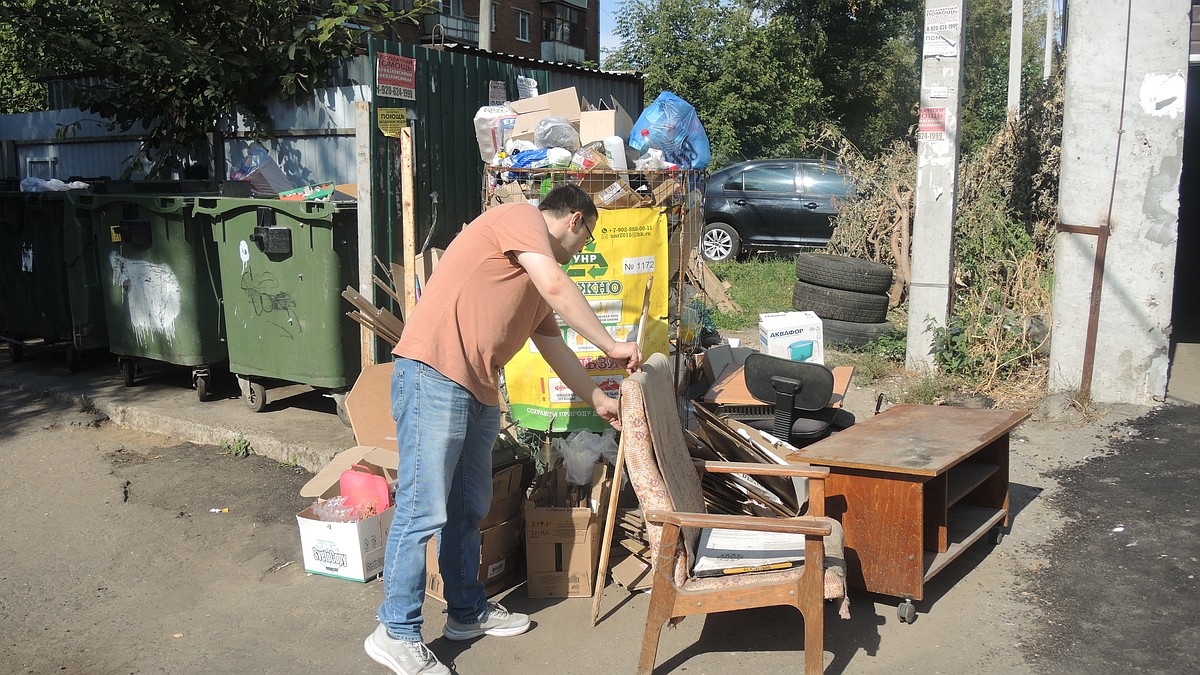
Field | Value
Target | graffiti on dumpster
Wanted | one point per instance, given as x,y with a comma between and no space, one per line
266,299
151,294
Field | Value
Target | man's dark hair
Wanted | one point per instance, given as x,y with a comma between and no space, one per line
567,199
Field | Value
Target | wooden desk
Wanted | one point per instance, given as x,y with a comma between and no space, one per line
914,487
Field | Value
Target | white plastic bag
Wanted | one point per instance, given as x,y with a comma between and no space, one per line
493,123
556,132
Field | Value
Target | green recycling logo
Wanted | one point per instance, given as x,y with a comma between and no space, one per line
587,264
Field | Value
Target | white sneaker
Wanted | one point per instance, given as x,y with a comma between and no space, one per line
498,621
403,657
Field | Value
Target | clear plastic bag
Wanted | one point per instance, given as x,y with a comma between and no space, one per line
556,132
582,449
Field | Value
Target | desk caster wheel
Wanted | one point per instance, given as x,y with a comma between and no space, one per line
996,535
906,612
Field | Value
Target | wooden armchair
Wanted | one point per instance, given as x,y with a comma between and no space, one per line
668,487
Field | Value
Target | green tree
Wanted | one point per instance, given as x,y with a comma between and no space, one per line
751,88
185,68
866,55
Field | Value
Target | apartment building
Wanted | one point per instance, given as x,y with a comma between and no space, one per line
563,31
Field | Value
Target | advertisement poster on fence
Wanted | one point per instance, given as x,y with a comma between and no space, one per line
630,247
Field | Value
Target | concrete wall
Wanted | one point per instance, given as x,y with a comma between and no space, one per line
1127,153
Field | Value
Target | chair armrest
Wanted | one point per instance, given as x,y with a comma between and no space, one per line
756,469
810,527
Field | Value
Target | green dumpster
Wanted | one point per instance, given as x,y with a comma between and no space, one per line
161,289
41,259
283,265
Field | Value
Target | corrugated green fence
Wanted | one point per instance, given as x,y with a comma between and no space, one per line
451,85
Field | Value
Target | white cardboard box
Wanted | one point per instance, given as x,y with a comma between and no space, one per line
792,335
351,551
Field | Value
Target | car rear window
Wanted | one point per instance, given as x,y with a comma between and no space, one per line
767,179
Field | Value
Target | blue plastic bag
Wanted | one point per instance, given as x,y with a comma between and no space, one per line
671,125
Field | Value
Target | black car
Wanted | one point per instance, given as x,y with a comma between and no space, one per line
770,204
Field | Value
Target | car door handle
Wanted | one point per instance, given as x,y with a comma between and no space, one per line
810,205
740,202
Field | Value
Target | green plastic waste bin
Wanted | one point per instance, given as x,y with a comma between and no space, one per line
161,289
283,266
42,261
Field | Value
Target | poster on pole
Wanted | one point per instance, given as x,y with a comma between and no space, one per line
630,247
942,26
931,124
396,76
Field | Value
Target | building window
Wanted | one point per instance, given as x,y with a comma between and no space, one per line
523,26
565,26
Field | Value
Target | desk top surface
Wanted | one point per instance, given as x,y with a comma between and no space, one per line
914,439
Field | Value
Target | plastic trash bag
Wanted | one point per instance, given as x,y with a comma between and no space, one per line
582,449
32,184
556,132
670,124
493,124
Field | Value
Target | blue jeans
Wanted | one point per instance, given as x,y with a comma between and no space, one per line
444,486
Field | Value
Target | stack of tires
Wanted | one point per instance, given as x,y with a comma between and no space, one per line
849,294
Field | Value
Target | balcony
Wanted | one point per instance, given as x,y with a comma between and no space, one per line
562,52
578,4
458,29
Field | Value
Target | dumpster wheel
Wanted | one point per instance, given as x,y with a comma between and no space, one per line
16,352
73,358
255,396
128,370
200,377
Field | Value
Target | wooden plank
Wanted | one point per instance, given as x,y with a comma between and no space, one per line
914,439
408,210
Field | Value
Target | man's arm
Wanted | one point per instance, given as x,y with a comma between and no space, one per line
564,298
566,365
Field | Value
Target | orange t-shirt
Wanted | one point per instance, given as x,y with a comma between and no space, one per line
480,306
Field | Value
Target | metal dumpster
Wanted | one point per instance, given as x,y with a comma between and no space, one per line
161,289
283,265
42,260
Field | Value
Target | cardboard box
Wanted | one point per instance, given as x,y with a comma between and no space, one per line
508,494
499,559
530,111
605,119
369,407
508,193
352,551
562,543
792,335
610,191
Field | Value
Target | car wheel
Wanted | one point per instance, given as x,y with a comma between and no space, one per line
832,303
843,272
720,242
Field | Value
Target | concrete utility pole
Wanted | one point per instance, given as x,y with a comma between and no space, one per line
485,25
937,178
1047,64
1015,44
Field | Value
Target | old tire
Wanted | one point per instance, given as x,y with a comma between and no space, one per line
844,273
854,335
840,305
719,242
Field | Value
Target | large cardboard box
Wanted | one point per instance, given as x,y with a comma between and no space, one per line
499,559
562,543
607,118
792,335
610,190
352,551
530,111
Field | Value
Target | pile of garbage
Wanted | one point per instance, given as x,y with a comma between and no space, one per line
533,143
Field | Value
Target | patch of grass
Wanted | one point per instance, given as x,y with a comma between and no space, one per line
759,285
238,447
927,390
878,359
291,462
86,405
1082,402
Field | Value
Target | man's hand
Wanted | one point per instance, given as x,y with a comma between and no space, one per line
628,355
607,408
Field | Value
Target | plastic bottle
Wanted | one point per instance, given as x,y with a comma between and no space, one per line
614,148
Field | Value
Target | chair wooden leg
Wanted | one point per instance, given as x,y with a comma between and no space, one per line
657,615
814,636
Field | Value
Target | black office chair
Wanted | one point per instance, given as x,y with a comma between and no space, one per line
800,393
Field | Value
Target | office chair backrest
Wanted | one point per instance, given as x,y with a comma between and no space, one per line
791,386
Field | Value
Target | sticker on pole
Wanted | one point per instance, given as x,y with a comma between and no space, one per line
392,120
396,76
931,125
